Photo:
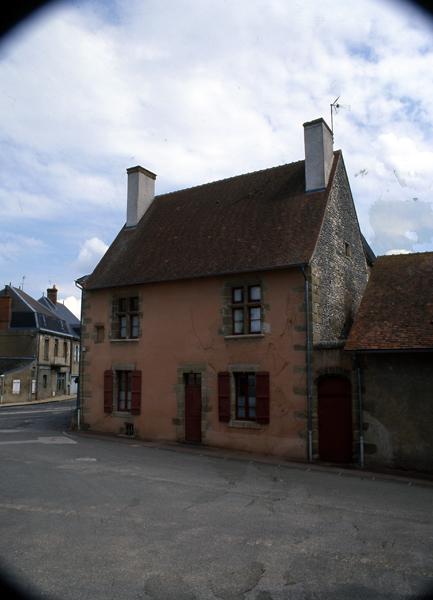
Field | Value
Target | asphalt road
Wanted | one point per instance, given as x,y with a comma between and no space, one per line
101,518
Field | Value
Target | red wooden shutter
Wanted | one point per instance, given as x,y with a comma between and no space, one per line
224,396
262,397
108,391
136,392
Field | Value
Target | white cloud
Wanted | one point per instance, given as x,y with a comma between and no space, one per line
12,246
397,251
93,88
90,254
74,304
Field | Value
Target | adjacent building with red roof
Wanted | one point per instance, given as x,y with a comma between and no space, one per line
392,339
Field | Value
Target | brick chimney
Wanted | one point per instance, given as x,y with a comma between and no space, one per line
52,294
141,192
319,154
5,312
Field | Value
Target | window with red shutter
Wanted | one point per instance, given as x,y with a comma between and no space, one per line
224,397
108,391
136,393
262,397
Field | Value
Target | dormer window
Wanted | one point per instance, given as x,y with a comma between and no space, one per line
246,310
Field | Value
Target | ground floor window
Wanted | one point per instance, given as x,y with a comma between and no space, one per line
245,385
124,390
243,396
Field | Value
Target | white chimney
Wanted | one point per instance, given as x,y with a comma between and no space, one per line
141,192
319,154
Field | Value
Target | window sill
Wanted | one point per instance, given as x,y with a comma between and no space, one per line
244,336
121,413
244,424
125,340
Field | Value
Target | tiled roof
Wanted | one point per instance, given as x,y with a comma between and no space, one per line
258,221
396,311
28,313
62,312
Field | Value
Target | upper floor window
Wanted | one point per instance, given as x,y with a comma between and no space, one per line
126,318
65,350
56,347
46,348
76,353
246,309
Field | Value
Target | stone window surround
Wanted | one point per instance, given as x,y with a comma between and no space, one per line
245,281
238,423
113,312
120,413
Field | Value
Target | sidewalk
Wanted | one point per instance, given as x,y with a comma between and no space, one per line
45,401
372,474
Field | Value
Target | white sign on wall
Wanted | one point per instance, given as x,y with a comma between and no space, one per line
33,386
16,386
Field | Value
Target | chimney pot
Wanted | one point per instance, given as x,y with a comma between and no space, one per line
52,294
319,154
141,192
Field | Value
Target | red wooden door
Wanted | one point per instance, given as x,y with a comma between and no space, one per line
335,419
193,407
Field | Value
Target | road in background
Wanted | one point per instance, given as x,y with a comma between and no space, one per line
104,518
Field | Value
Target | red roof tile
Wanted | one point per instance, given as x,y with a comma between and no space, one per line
396,311
258,221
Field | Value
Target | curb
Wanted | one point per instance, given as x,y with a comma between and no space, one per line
223,454
33,402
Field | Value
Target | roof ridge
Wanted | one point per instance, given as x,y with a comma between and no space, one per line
401,254
229,178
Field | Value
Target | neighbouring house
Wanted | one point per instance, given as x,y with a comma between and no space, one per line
392,340
219,313
17,379
39,346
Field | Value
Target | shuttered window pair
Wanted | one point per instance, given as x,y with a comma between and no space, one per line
122,391
251,397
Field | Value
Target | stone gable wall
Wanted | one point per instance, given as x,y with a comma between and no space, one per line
338,280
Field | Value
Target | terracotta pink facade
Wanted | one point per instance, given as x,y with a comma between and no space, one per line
185,327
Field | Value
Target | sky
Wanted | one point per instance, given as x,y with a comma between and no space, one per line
197,91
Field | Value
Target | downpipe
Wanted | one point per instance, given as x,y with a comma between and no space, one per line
80,364
309,366
360,411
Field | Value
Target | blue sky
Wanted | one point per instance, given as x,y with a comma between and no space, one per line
198,91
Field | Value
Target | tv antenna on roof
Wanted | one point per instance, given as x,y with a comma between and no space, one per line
22,282
335,107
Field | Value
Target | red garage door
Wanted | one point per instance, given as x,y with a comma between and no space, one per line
335,419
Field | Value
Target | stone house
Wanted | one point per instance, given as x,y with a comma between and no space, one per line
219,313
42,338
392,342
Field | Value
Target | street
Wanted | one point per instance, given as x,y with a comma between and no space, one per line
99,518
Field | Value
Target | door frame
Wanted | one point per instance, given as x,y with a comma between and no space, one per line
348,434
197,386
179,420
